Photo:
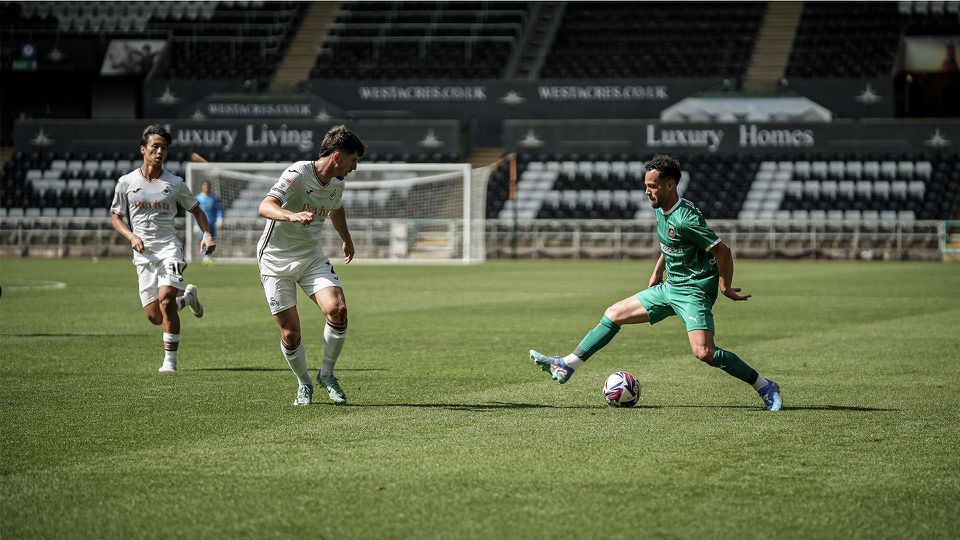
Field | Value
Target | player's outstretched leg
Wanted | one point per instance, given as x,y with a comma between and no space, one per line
304,394
770,394
192,300
333,388
554,365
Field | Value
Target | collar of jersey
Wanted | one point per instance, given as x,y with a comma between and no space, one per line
667,212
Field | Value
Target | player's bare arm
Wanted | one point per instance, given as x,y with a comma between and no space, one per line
338,218
121,227
270,208
207,245
725,268
657,276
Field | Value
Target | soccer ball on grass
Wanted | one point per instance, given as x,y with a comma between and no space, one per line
621,389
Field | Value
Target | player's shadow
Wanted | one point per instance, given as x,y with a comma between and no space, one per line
785,407
275,369
500,405
479,407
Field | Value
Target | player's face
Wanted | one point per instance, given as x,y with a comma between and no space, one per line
657,191
155,152
345,164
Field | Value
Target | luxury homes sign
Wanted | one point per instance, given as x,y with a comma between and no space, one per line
636,136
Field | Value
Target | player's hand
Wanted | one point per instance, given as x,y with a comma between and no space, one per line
654,280
303,218
136,243
733,293
348,250
208,244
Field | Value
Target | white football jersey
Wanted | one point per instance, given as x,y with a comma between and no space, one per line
150,207
285,244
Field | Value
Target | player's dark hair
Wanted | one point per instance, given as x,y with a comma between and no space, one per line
668,167
341,138
155,129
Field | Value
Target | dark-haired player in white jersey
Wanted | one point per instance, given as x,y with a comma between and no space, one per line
147,197
697,263
289,254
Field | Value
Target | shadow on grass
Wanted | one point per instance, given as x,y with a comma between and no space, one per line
499,405
477,407
276,369
74,334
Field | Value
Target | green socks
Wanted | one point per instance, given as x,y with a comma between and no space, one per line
732,364
596,339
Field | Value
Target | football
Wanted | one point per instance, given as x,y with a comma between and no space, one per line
621,389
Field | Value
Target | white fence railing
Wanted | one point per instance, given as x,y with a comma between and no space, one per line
893,240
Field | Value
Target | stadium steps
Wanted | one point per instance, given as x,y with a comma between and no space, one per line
772,49
302,54
540,38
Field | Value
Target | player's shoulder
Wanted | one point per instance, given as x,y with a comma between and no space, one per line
686,209
172,178
129,177
298,168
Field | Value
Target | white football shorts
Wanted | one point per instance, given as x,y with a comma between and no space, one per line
280,288
153,275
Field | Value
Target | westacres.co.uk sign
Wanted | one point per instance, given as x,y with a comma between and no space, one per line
231,137
599,136
496,99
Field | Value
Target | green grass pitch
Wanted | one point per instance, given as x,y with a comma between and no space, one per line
453,432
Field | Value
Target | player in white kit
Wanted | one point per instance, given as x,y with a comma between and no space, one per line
289,254
147,198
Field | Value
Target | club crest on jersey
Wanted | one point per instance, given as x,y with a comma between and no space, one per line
671,233
166,190
333,195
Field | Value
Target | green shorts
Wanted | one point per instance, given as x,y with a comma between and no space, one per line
691,304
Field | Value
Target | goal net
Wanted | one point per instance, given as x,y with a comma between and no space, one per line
396,212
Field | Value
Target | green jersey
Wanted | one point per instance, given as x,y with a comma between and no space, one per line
685,241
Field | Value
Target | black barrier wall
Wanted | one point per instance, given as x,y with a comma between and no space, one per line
637,136
234,137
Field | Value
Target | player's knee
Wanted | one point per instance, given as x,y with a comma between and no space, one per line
290,337
615,314
168,304
704,353
339,314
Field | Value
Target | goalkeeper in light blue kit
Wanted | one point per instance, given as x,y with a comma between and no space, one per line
697,264
210,204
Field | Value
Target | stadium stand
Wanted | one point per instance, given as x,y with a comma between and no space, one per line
654,39
854,39
396,40
837,186
208,40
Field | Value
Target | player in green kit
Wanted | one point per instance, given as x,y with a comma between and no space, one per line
697,263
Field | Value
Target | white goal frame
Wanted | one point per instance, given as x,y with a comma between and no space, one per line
471,224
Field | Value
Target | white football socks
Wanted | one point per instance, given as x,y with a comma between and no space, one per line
171,342
297,360
333,339
572,361
760,382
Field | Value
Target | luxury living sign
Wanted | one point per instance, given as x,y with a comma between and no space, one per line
254,136
234,136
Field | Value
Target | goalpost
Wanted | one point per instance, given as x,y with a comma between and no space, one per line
396,212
